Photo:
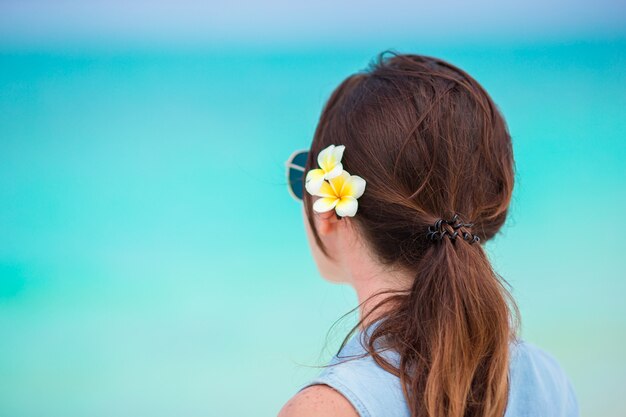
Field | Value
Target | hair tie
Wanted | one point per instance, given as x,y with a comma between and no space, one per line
437,231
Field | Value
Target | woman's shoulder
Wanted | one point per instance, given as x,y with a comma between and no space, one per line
369,389
538,383
318,401
345,387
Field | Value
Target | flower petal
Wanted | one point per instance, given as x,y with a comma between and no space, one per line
314,174
347,206
338,152
338,181
325,204
353,186
330,157
326,190
336,171
313,186
326,159
314,180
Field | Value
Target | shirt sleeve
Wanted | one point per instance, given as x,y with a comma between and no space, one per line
568,395
541,385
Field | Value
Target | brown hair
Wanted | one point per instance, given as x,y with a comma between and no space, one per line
430,143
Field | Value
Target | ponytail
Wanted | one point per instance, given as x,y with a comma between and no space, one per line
452,330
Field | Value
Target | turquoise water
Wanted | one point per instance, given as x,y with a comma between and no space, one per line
152,262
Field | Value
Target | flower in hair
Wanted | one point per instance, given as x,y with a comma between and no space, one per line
340,193
339,190
329,161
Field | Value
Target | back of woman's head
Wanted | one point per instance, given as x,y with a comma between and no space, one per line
431,143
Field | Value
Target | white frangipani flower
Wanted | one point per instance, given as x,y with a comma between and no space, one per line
341,193
329,161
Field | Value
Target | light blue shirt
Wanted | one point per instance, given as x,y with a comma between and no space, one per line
538,385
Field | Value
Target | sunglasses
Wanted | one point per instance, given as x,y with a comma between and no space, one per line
295,173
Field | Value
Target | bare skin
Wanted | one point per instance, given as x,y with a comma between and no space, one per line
353,264
318,401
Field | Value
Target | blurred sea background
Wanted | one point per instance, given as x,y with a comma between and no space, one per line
151,259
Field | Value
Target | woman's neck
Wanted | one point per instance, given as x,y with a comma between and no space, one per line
369,277
369,284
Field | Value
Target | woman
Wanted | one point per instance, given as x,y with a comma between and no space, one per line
410,172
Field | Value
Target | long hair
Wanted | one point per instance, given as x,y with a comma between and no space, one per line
430,143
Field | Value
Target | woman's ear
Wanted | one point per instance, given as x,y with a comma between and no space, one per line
326,222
